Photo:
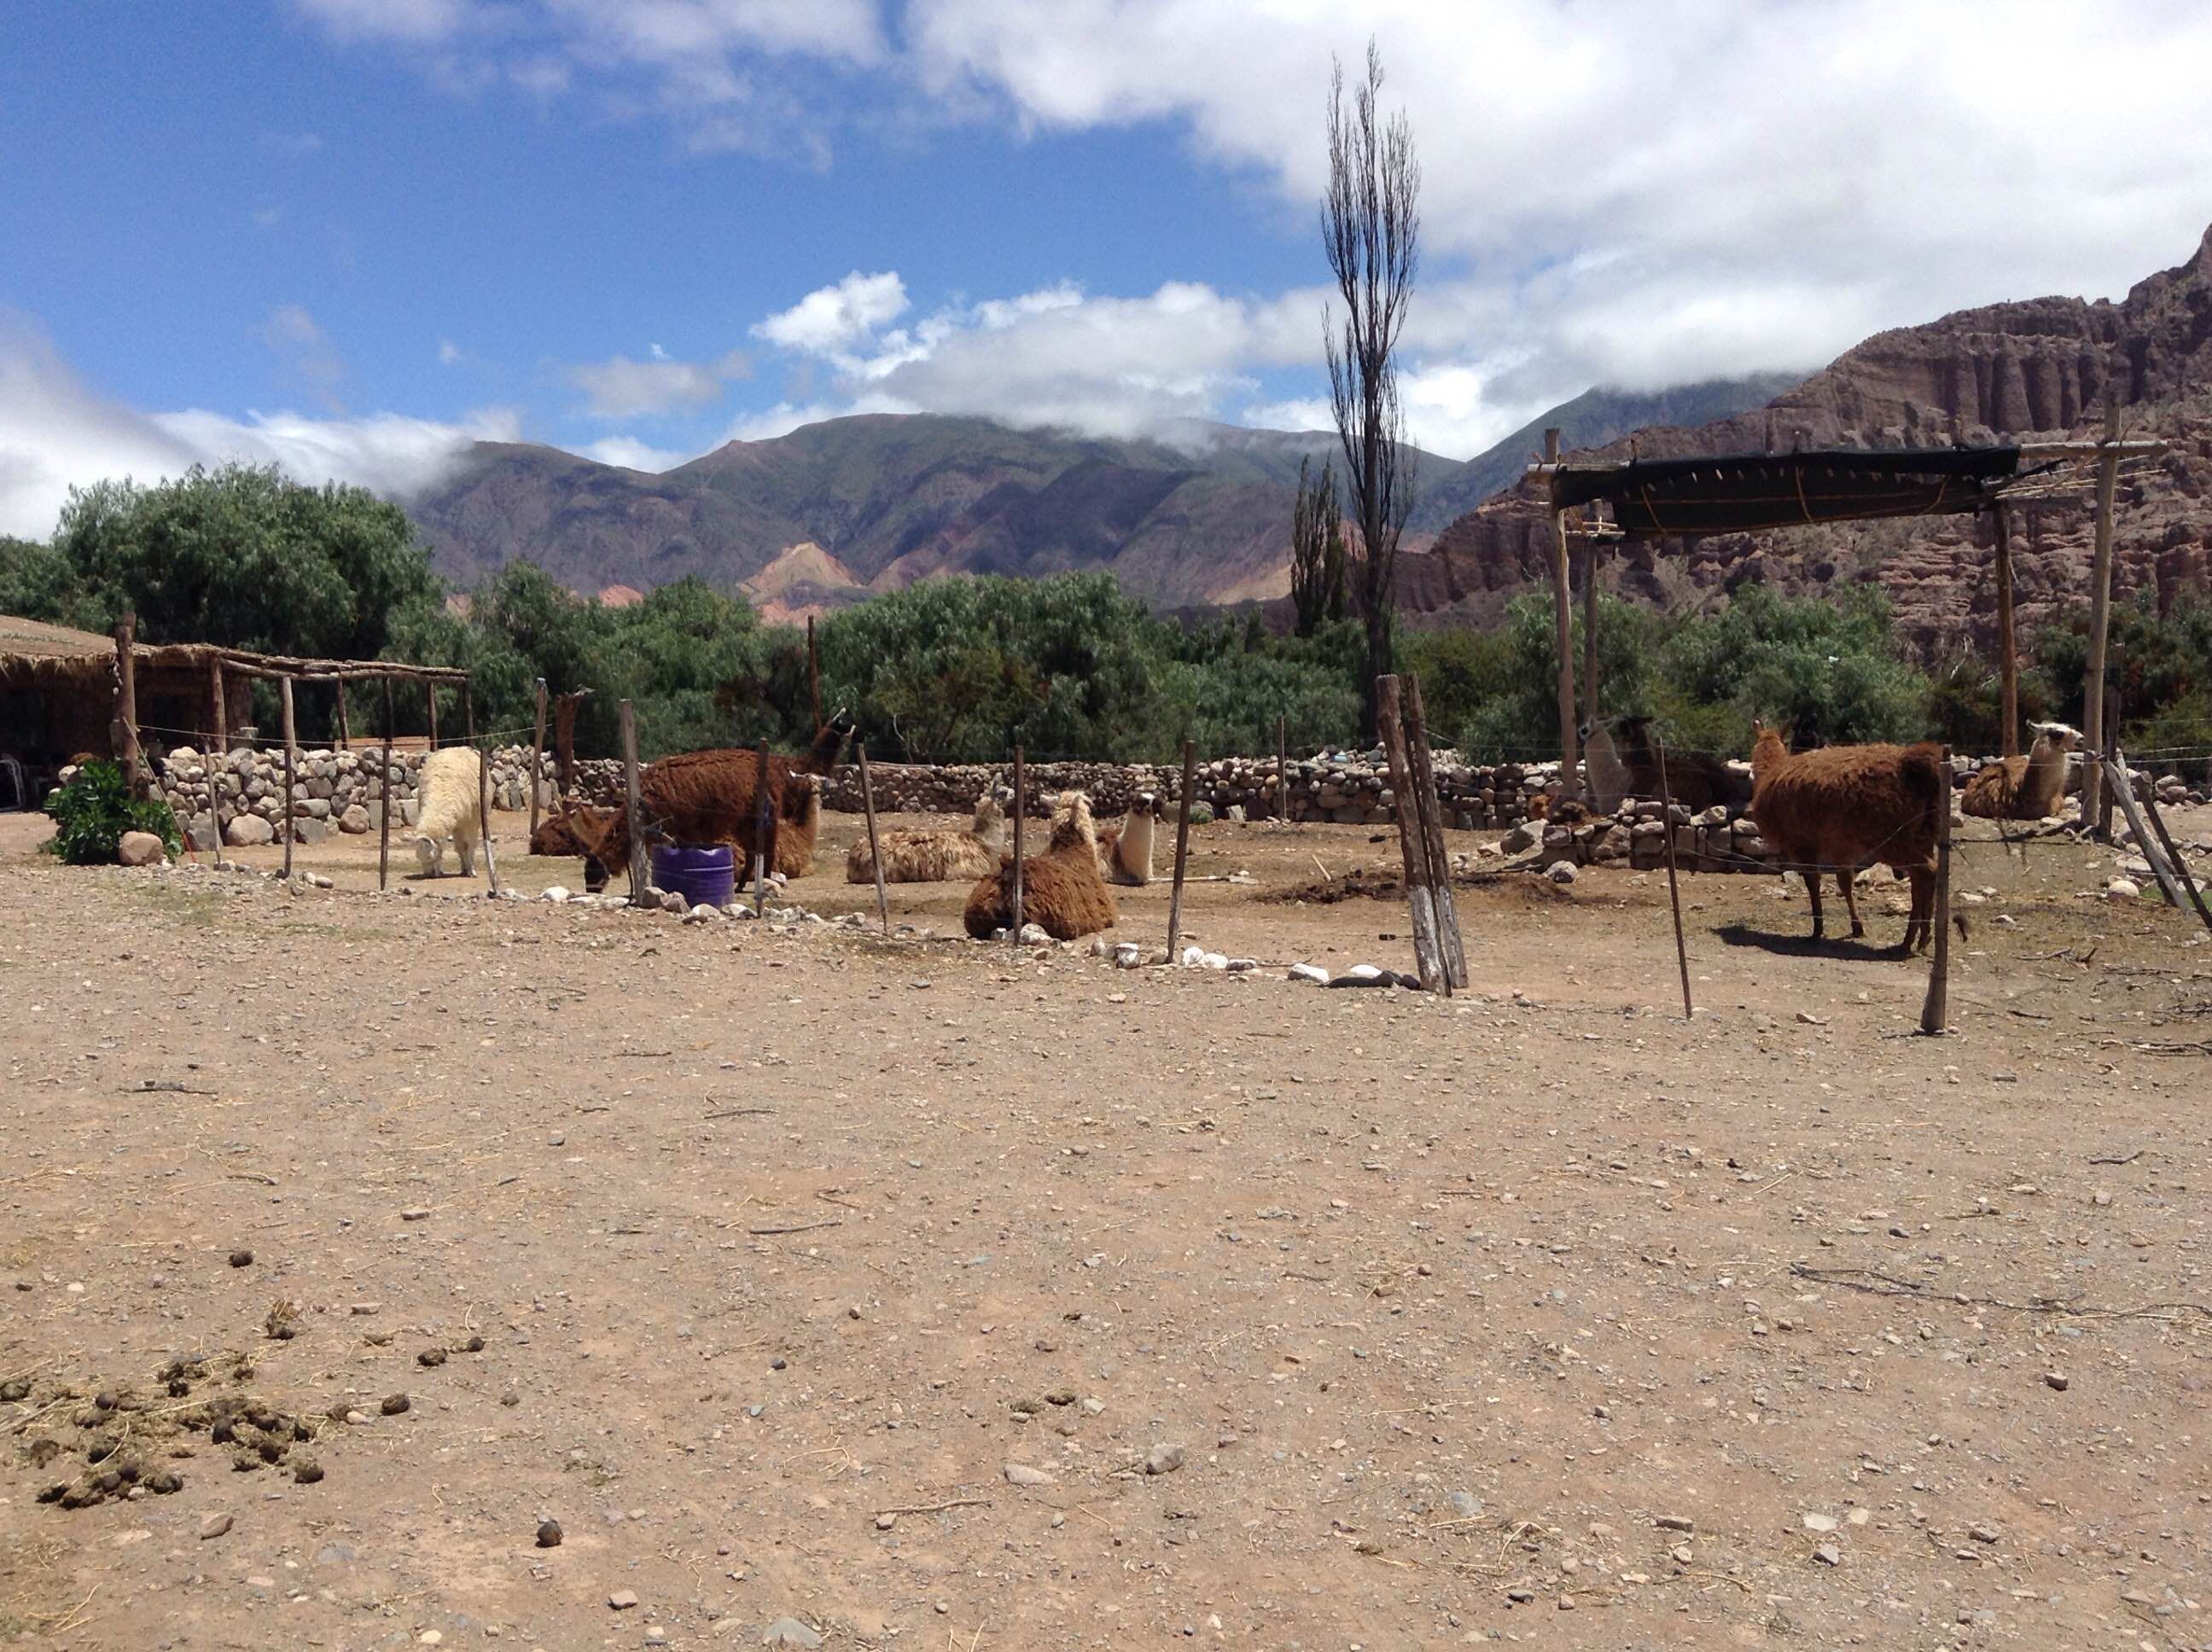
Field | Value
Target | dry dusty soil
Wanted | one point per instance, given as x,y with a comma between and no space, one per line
921,1294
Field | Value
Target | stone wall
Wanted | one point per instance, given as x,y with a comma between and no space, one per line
332,791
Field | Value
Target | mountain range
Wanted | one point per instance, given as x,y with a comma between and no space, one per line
837,510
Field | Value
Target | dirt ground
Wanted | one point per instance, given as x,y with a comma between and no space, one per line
921,1294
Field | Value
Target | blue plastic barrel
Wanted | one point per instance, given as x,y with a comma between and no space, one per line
704,874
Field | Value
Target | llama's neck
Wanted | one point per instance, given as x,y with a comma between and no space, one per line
990,825
822,756
1608,775
2045,777
1767,755
1137,841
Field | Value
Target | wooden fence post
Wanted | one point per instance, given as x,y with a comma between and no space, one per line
765,815
1433,835
1282,771
1674,884
813,674
1021,805
384,799
219,759
640,878
1589,630
484,784
1182,848
345,729
430,710
1428,952
2174,858
537,759
291,826
2008,651
1563,632
2096,736
1935,1012
2124,792
875,848
126,701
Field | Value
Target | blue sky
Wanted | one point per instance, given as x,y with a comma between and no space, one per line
350,234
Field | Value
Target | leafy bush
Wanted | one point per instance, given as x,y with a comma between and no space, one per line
92,811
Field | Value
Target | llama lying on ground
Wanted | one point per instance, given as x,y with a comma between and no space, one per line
1125,848
711,797
1623,757
935,857
1843,807
452,807
2023,788
1062,892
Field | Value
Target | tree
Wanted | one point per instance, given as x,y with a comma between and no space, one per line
1371,226
1317,559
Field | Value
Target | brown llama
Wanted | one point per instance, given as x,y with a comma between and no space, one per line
1843,807
1062,892
935,857
1696,780
2023,788
1125,848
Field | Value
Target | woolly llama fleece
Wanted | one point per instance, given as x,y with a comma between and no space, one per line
452,808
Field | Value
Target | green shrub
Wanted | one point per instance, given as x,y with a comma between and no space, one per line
92,811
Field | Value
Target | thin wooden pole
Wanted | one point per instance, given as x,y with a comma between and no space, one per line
1282,770
430,711
219,758
2007,652
1563,630
814,673
2112,756
1673,882
291,826
2095,735
1431,808
384,799
2173,858
1182,848
1590,632
1936,1010
875,848
640,880
764,820
2124,794
536,759
126,701
564,742
1021,808
483,785
1428,954
345,729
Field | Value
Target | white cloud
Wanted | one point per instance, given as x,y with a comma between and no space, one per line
449,353
303,350
621,388
830,321
633,455
56,432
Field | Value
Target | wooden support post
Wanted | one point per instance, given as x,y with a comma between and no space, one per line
1021,807
1590,632
1936,1010
1431,806
219,755
2104,791
2007,652
1282,770
766,813
1182,848
345,729
1428,952
1673,882
2115,777
2173,858
564,742
291,827
538,760
126,703
640,879
1563,630
384,799
875,848
2095,734
813,674
430,711
483,785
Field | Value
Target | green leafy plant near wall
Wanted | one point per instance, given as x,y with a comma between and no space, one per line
92,811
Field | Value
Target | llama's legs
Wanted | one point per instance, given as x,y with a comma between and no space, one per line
465,847
1920,927
1813,890
1847,880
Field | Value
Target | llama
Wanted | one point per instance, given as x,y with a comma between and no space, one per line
710,796
1696,780
1062,892
1125,848
935,857
1846,806
451,807
1610,782
2023,788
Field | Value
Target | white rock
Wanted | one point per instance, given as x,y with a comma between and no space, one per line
1128,956
703,914
1561,872
1023,1474
1033,935
2122,888
1192,957
1212,960
1241,965
1312,972
1364,972
138,849
672,901
555,894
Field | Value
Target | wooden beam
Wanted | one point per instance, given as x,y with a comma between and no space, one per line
384,798
1282,770
430,711
536,759
291,763
1182,848
1021,808
126,702
814,673
1413,852
1674,882
1936,1009
1563,629
640,880
1589,633
218,759
875,846
345,729
1432,807
2094,735
484,786
2007,654
766,810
